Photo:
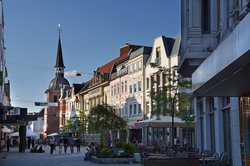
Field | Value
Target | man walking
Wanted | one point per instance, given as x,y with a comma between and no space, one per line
52,144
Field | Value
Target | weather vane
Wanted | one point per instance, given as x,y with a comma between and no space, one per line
59,29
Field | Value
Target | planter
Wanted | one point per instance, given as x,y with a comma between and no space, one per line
137,157
94,159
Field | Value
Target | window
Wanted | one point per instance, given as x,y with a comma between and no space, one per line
130,109
210,103
122,87
139,85
112,90
164,81
134,87
135,109
139,65
130,88
126,110
147,83
123,111
118,89
55,99
139,109
158,56
158,79
147,107
126,87
205,15
120,111
135,66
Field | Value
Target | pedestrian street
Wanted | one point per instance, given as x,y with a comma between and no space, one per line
14,158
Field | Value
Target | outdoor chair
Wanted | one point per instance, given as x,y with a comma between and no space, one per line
223,160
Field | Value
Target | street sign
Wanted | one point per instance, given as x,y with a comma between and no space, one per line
21,122
49,104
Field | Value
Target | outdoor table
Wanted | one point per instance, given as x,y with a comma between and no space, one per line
205,160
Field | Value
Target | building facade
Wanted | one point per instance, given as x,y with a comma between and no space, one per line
51,113
4,84
165,54
69,105
98,89
215,53
37,126
126,89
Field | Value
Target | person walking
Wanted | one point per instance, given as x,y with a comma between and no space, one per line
8,144
65,144
78,145
60,145
52,144
71,144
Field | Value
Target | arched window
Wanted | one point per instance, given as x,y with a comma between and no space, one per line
55,99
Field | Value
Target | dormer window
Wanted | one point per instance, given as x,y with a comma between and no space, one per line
158,56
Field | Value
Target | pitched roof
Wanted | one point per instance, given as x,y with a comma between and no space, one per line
168,43
78,87
59,58
176,46
85,86
124,52
108,67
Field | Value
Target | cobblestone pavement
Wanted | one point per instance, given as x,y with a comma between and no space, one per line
13,158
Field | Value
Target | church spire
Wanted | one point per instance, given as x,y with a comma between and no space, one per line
59,59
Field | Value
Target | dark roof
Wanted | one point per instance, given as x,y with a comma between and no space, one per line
57,82
59,58
85,86
78,87
168,43
108,67
142,50
41,113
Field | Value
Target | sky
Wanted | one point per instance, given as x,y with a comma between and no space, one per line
92,33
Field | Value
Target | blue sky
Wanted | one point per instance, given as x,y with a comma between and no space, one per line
93,31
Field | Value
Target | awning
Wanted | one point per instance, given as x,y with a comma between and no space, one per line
163,121
29,133
5,129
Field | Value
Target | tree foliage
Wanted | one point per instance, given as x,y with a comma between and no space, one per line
173,98
103,117
77,124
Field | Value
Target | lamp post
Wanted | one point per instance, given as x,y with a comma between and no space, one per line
187,140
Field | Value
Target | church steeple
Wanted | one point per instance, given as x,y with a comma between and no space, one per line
59,67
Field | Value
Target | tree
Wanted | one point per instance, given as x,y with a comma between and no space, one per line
173,98
103,118
77,124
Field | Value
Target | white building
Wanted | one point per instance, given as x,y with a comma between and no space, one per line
127,92
215,53
37,126
164,53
